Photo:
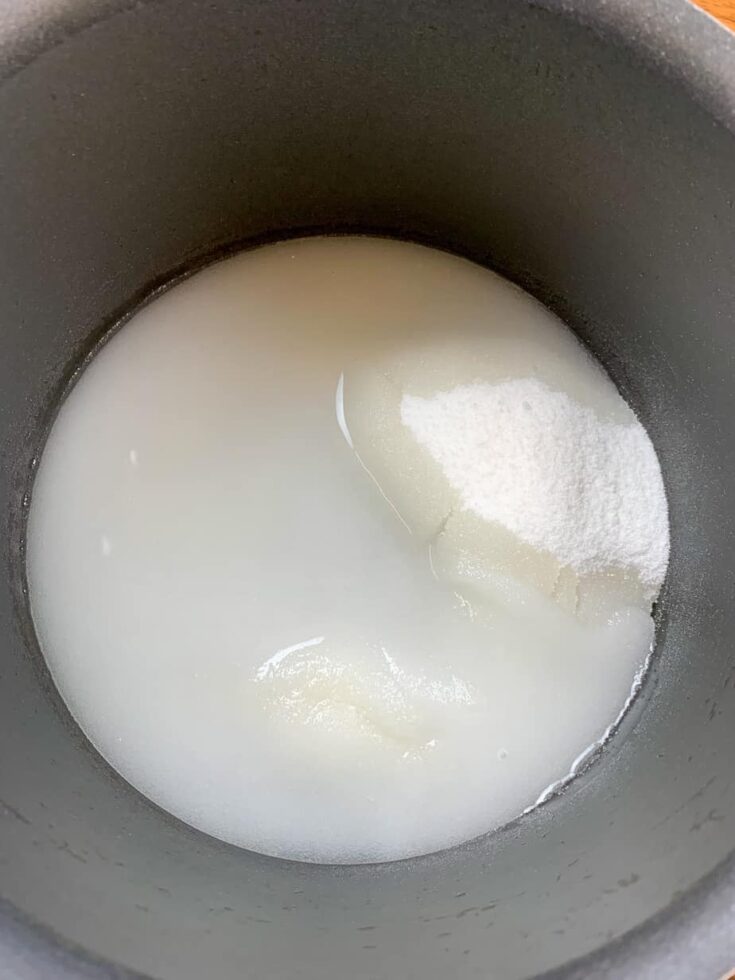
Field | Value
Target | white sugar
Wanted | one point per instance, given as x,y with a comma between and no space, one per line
588,491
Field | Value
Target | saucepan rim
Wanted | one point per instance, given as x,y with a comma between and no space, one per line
694,935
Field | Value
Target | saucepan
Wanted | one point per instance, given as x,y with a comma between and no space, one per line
583,148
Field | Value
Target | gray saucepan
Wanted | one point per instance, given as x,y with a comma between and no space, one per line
585,149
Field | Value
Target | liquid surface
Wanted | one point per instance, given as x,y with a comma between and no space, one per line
260,588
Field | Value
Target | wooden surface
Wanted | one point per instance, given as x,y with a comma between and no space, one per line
724,10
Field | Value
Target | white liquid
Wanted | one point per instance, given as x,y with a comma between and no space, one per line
239,618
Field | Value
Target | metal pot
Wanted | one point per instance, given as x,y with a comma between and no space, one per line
584,148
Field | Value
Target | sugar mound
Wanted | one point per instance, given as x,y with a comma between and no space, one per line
590,492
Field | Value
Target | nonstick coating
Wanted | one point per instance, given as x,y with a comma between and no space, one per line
586,149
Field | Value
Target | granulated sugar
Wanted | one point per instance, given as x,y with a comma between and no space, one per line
588,491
